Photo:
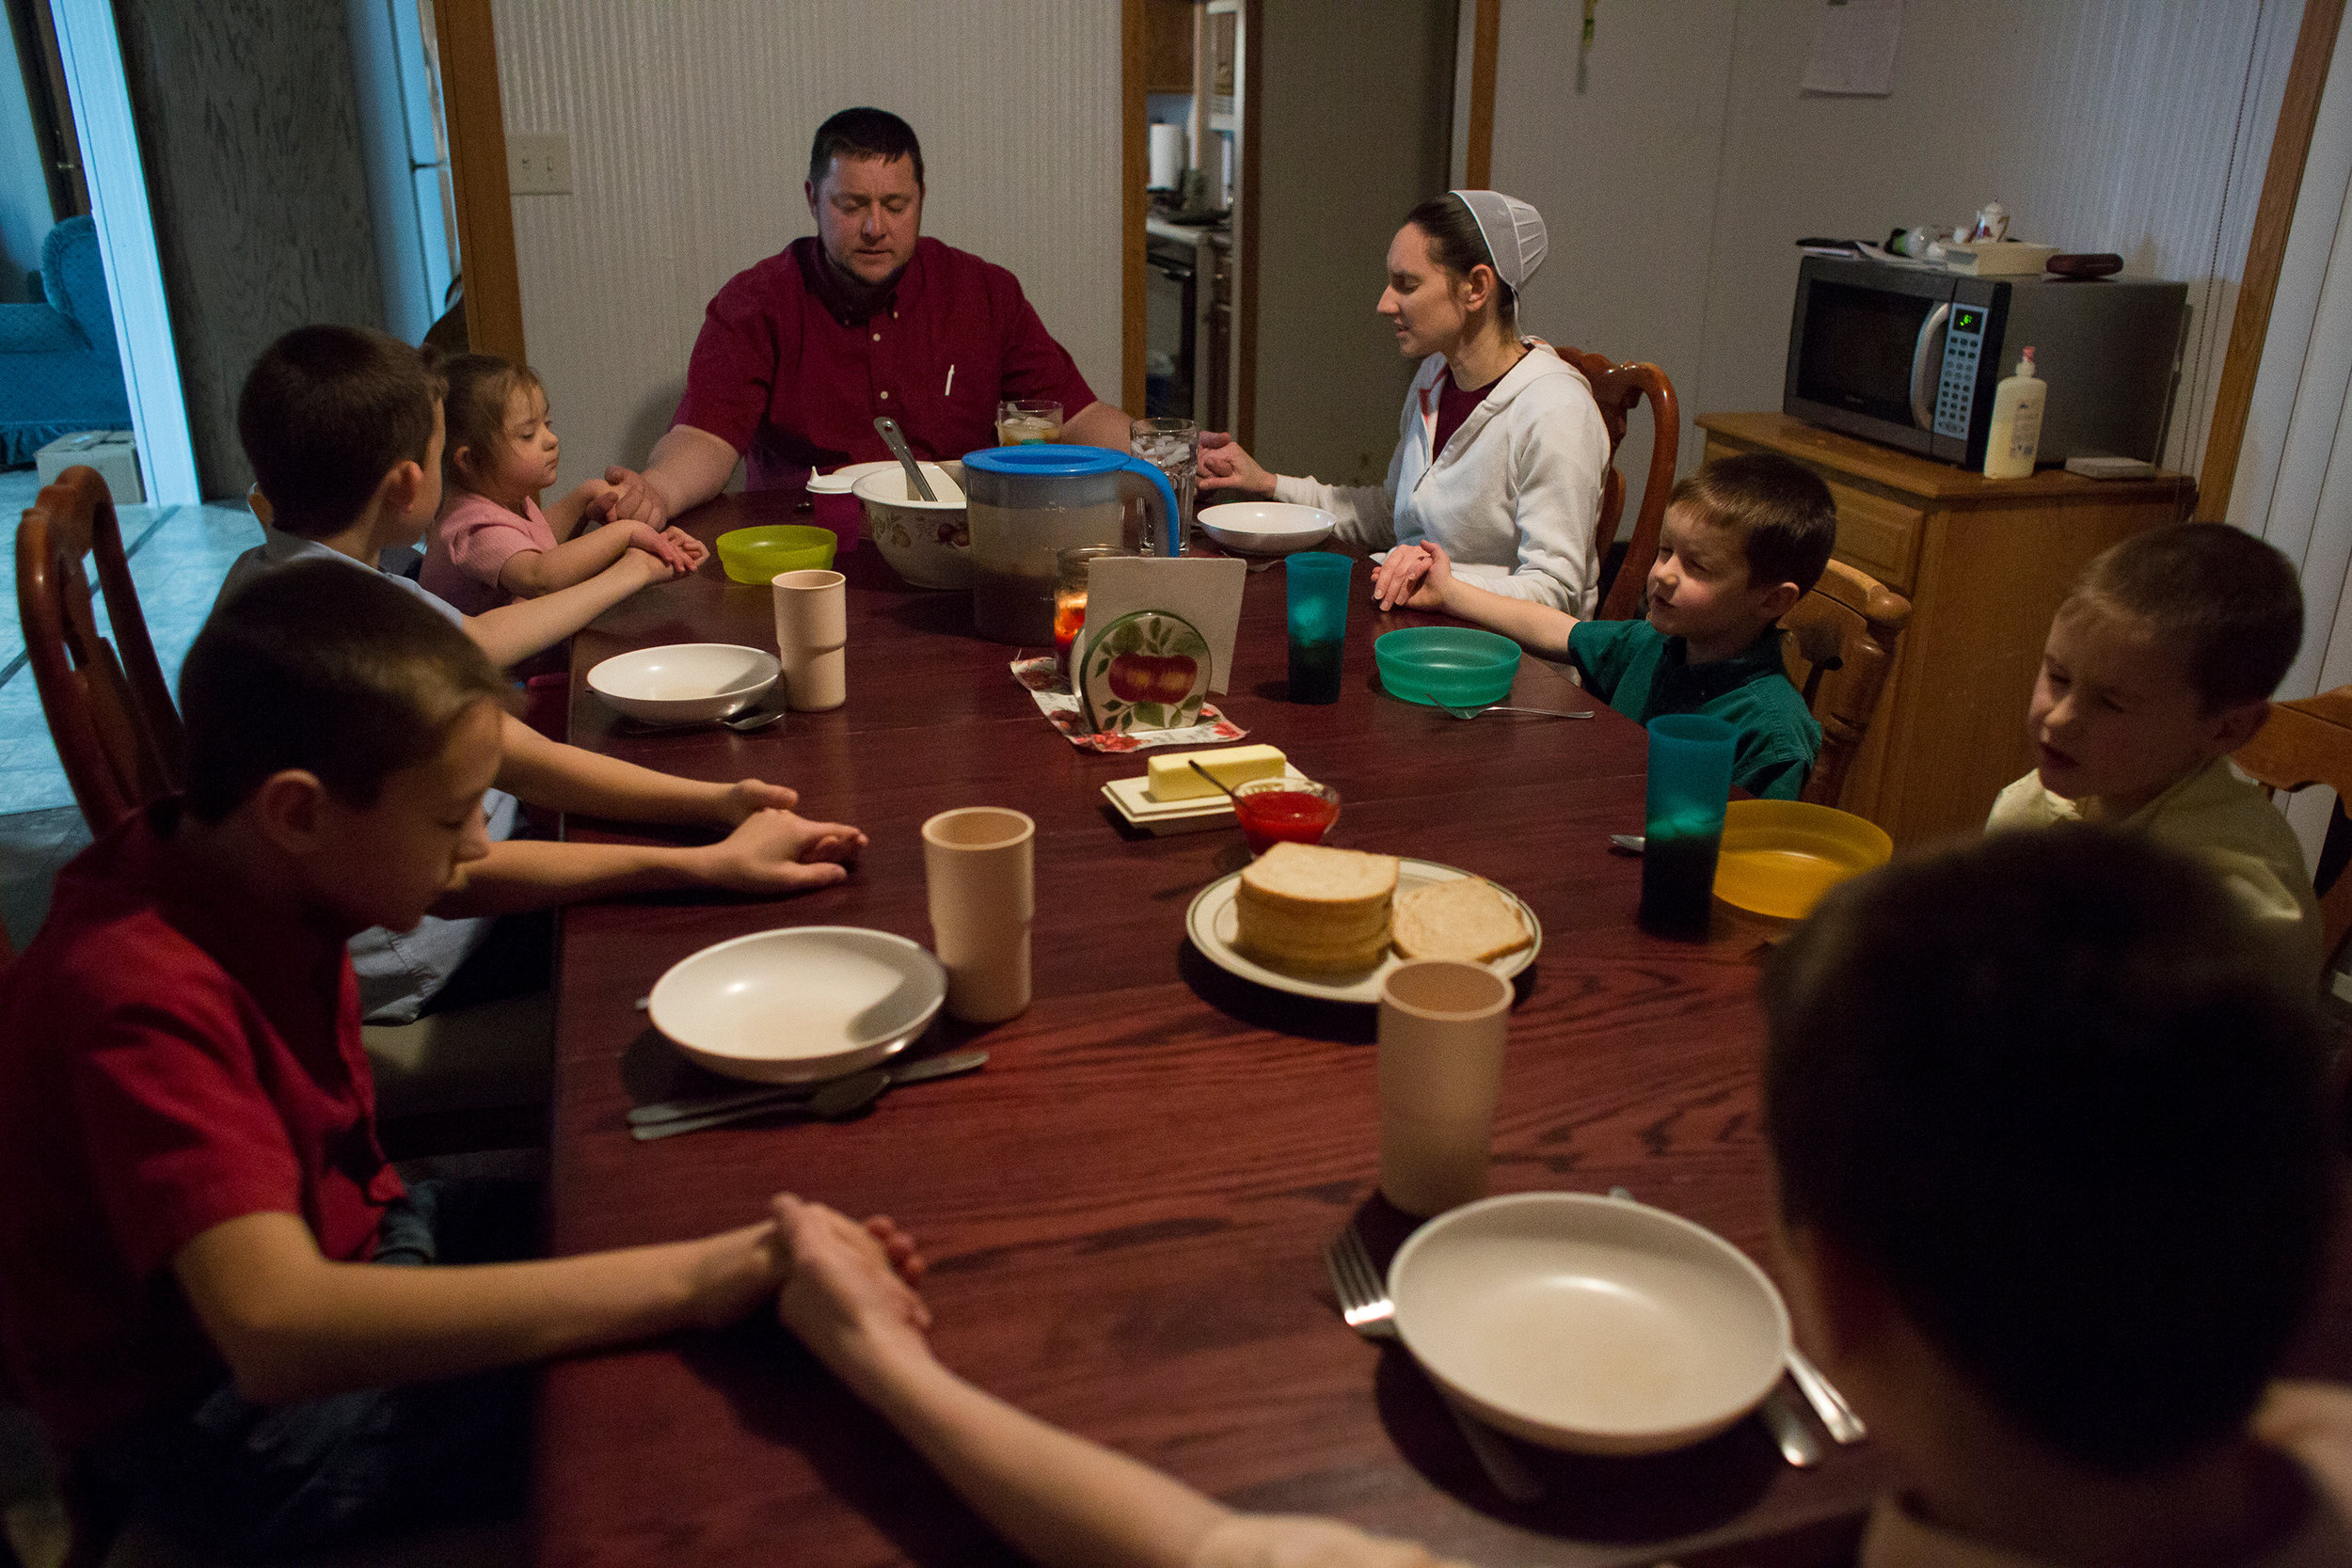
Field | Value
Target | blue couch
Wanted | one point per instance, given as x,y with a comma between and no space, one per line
60,370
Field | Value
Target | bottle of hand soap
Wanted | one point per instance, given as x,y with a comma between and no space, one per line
2015,433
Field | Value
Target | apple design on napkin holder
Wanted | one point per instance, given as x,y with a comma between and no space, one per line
1148,669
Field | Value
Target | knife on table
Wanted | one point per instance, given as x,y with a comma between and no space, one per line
786,1094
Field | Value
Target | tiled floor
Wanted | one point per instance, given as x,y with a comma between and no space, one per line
179,555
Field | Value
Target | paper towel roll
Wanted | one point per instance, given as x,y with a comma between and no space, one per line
1168,157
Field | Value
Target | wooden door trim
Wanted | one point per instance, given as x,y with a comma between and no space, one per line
476,124
1485,41
1135,173
2266,252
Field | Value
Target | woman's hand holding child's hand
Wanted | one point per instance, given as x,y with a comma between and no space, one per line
1413,576
774,851
1224,466
849,1294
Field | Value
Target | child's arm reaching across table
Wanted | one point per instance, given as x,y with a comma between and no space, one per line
293,1325
573,779
529,574
1420,577
1058,1498
513,632
771,853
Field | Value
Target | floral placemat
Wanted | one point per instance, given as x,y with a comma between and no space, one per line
1060,709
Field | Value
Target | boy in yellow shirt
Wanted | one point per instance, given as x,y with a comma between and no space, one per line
2159,664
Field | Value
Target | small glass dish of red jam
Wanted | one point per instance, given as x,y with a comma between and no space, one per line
1273,810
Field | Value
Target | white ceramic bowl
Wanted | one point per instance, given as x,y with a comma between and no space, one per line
1267,528
928,543
804,1002
685,683
1589,1323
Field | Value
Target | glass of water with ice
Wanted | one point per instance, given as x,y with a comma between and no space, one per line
1173,446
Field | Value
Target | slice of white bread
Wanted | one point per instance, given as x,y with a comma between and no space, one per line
1467,918
1305,908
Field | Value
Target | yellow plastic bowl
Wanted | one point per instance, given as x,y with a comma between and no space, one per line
755,555
1779,857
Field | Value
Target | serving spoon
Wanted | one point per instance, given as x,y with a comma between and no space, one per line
917,484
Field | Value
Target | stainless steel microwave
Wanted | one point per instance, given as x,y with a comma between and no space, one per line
1909,356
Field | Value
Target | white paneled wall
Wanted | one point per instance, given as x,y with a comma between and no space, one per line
690,122
1676,182
2294,469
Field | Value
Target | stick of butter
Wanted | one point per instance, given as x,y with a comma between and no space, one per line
1172,778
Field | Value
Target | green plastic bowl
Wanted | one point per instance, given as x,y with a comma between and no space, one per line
1446,666
757,554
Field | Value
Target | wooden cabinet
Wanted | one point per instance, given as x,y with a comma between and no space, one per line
1167,46
1985,563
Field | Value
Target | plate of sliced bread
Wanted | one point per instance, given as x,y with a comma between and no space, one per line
1316,921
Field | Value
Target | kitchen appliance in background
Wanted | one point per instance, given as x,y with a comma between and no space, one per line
1187,315
1910,357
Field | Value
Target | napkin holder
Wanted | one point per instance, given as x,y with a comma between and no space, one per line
1158,639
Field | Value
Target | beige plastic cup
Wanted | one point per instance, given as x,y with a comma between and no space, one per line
1442,1027
980,871
811,635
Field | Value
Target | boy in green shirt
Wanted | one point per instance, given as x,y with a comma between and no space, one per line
1743,539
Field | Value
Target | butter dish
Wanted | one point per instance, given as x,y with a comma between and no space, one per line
1131,798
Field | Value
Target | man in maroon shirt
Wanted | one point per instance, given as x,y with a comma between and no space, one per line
800,353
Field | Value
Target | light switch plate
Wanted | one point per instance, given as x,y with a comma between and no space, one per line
539,165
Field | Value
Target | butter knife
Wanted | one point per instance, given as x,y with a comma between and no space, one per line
785,1094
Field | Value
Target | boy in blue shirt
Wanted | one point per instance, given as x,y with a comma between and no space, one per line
1743,539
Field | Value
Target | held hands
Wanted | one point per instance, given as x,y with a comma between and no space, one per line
774,851
1225,467
849,1293
629,498
664,544
1414,576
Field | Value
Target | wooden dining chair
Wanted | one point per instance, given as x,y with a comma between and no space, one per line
1839,649
112,716
2307,742
1617,387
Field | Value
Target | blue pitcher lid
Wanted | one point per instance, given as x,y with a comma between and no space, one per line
1044,460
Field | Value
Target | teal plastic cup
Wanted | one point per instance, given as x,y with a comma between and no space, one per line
1690,784
1318,623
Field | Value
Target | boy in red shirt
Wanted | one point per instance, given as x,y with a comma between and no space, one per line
200,1233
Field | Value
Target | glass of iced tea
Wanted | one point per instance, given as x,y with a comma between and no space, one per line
1070,598
1024,422
1273,810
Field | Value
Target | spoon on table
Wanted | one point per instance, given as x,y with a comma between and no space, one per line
917,484
1498,707
742,724
840,1098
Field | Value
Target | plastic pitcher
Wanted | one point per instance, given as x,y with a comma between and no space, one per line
1026,504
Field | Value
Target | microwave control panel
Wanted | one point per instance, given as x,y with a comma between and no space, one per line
1956,392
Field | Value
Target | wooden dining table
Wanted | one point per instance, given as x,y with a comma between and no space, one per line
1125,1211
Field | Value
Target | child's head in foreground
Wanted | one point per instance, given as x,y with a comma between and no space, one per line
334,419
2046,1098
499,439
2162,657
351,727
1744,538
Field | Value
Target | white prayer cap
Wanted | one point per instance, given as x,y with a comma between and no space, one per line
1514,232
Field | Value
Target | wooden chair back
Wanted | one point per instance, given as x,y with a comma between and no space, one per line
1839,649
116,731
2304,744
1617,387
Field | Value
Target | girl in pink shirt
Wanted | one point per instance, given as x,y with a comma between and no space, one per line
491,543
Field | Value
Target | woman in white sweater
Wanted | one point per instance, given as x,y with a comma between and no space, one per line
1500,451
